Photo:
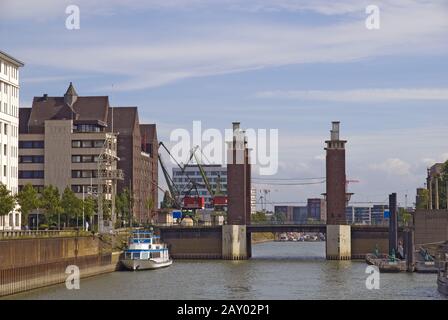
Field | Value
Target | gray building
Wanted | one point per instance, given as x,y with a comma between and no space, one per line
182,181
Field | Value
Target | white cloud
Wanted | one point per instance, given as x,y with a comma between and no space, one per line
393,166
360,95
215,48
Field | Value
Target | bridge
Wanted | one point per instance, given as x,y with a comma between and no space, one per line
233,239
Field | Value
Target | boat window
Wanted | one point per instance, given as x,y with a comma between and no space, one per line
155,254
145,255
136,255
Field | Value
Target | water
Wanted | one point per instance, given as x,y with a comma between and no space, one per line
278,270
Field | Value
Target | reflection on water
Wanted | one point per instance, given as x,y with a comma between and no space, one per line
278,270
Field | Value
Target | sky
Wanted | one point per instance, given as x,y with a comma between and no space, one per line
289,65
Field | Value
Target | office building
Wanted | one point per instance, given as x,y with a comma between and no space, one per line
9,133
182,181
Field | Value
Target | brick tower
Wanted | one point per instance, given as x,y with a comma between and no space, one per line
336,179
236,241
338,245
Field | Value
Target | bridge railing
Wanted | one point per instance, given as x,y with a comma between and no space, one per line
287,222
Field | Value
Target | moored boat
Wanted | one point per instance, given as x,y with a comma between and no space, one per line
145,251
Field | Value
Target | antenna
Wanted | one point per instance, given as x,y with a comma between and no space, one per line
112,129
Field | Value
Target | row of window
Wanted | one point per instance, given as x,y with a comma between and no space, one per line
38,188
31,159
5,88
84,173
197,173
6,68
31,174
85,158
13,111
31,144
11,221
87,128
4,128
13,171
87,143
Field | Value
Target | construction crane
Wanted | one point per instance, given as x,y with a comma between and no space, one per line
189,202
219,200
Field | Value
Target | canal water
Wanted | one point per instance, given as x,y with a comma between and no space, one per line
278,270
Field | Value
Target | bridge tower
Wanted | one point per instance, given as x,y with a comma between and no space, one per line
236,242
338,245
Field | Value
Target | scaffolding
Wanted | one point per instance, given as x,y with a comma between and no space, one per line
107,177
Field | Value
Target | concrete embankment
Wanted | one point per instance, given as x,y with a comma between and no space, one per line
261,237
27,264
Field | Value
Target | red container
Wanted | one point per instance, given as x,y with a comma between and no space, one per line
194,202
220,201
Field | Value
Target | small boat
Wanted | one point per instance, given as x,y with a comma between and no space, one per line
426,263
386,263
145,252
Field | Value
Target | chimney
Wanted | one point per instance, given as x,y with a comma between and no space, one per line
236,126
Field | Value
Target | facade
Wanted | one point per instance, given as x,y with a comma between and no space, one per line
377,214
61,140
60,143
358,215
137,150
9,132
317,209
181,181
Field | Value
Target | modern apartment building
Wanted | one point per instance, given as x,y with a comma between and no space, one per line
9,132
212,171
358,215
63,139
317,209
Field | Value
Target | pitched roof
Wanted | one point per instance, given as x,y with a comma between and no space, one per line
148,132
71,90
24,116
125,119
54,108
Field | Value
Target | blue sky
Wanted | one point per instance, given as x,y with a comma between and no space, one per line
289,65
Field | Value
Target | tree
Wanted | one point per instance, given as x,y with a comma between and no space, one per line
28,200
167,201
149,205
71,206
51,202
422,199
7,202
123,205
90,207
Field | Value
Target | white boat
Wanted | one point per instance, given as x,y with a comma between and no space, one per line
145,252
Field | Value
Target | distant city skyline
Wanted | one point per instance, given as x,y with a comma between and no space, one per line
292,65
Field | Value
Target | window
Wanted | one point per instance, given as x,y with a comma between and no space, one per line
5,171
31,144
5,148
31,174
87,128
5,127
76,144
98,143
31,159
87,143
76,159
